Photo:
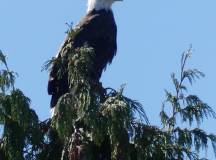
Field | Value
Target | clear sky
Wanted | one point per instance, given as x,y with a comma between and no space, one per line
152,35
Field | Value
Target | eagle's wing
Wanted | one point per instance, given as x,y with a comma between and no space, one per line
64,50
89,30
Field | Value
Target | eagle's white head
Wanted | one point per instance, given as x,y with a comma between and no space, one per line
100,4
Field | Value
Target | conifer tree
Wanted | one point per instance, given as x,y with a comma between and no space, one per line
97,123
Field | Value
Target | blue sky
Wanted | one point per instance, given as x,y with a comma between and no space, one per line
151,38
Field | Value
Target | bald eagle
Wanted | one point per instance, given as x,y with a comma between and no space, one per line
97,29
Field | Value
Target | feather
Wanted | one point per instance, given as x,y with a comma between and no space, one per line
98,30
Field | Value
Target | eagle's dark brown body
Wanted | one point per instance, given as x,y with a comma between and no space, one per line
98,30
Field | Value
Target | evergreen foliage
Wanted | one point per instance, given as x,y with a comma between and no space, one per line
22,134
96,123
